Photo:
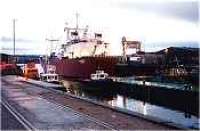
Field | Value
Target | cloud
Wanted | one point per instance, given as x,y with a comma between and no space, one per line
8,39
186,10
37,20
11,49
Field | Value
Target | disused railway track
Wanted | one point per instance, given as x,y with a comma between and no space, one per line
19,117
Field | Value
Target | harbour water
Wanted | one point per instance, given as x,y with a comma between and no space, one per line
132,103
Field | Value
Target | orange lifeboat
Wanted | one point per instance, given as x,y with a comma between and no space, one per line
31,71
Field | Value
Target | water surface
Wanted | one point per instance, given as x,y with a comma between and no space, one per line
118,99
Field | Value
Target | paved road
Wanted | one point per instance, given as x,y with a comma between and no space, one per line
8,120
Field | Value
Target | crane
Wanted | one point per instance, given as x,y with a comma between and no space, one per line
129,44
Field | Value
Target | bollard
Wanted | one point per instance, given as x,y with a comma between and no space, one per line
143,82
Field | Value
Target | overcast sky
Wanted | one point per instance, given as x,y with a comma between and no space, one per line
157,23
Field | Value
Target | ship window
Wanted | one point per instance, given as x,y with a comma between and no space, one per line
102,76
83,41
45,78
99,42
98,35
75,41
74,33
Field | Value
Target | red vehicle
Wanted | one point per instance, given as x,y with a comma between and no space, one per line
31,71
7,69
8,66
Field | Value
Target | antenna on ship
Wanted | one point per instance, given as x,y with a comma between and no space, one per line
77,21
66,28
51,44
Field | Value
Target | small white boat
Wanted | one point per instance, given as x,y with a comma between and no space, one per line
50,76
99,75
98,81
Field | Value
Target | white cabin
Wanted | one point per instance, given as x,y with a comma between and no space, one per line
99,75
51,75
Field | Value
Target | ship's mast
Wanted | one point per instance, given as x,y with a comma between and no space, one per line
75,29
77,21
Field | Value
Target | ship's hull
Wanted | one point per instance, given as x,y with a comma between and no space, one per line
136,69
100,85
83,67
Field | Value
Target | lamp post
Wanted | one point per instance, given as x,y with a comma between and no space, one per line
14,37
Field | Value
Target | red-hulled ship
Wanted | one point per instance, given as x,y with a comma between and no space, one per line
83,67
82,54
